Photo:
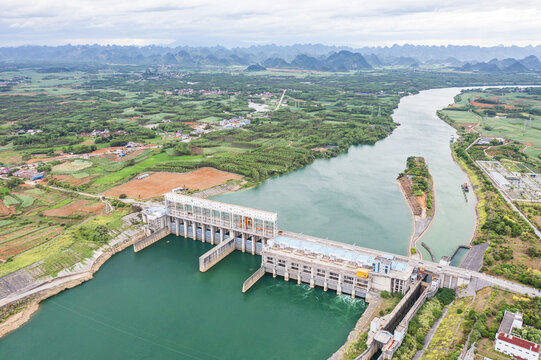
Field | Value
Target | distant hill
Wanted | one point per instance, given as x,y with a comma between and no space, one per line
506,66
255,67
373,60
346,60
531,63
275,63
299,56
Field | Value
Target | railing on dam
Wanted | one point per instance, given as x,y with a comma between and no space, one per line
214,255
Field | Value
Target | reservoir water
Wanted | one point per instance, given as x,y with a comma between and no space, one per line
354,198
156,305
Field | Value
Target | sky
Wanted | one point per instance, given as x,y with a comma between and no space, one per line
242,23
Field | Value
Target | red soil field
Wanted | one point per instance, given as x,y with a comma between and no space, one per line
483,105
79,206
160,183
71,180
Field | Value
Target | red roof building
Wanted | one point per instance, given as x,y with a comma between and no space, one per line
516,347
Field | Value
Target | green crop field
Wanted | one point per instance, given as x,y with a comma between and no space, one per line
34,191
5,222
26,200
512,129
80,175
10,200
462,117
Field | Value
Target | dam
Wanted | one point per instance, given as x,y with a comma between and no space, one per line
344,268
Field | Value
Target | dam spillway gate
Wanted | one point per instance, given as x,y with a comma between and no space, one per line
341,267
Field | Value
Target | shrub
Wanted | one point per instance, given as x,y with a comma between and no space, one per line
445,296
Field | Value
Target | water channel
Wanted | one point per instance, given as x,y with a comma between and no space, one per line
156,305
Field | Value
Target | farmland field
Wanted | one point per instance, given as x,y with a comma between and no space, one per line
462,117
159,183
41,215
72,166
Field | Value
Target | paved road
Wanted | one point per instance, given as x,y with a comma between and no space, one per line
509,285
281,99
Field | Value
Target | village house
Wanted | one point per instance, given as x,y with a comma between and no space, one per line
29,174
488,140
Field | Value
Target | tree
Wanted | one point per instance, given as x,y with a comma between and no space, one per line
100,235
182,149
14,182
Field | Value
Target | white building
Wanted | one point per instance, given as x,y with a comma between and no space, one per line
512,345
516,347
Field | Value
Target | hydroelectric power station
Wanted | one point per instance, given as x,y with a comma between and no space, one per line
344,268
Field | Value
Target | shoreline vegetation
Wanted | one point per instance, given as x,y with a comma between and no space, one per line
514,249
417,186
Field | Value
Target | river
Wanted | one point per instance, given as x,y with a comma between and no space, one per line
156,305
354,198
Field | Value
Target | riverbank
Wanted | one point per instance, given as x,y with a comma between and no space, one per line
31,298
362,324
417,187
503,240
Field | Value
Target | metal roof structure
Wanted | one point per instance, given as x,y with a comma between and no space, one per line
219,206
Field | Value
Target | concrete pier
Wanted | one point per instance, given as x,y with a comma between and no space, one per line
151,239
253,279
214,255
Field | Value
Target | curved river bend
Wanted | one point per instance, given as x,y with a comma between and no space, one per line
156,305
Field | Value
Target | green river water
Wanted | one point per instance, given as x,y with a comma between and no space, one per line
156,304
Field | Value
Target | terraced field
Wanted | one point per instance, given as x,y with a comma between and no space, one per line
40,215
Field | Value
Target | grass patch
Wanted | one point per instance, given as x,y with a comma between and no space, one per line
449,325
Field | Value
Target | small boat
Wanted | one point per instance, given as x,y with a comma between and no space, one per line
465,187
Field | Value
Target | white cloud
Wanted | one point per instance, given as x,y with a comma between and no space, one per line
241,22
